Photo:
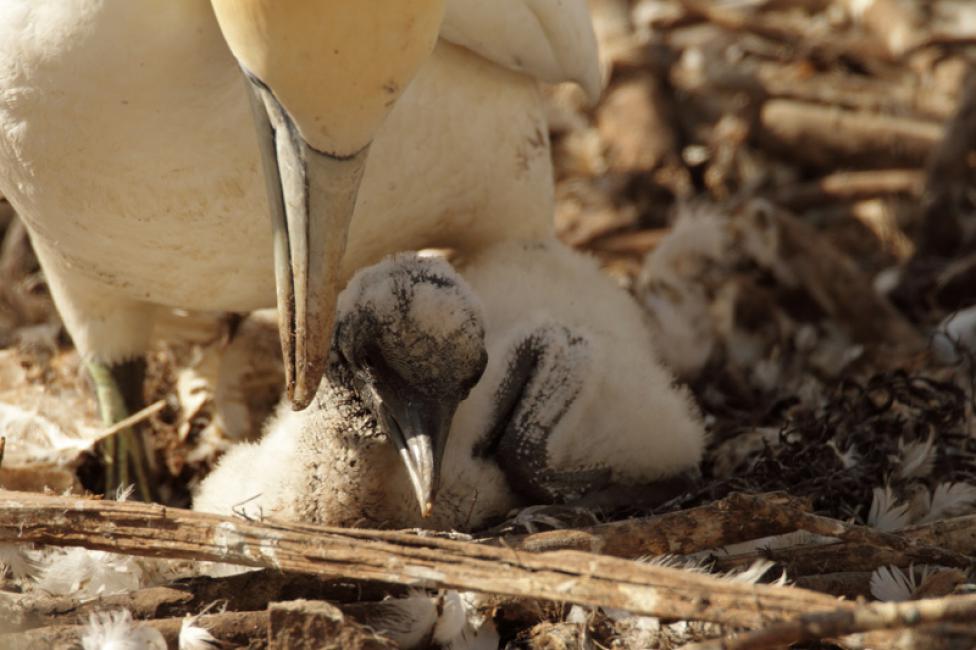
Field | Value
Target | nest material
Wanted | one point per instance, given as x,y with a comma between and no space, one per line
831,144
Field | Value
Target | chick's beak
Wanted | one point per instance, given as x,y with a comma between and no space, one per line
312,196
419,430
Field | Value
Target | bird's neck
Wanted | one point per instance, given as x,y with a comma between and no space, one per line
361,478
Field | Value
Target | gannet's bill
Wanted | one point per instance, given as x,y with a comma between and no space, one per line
322,76
573,402
127,146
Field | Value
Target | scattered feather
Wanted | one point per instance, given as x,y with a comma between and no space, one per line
683,562
887,513
848,458
409,622
33,438
755,573
124,492
786,540
917,458
451,618
84,574
117,631
955,337
479,631
19,563
195,637
948,500
578,615
891,584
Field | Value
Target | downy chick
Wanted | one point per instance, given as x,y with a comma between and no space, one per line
573,402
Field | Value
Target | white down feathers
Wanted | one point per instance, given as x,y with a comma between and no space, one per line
628,415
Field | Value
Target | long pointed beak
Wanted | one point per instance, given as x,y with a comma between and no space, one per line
419,431
312,196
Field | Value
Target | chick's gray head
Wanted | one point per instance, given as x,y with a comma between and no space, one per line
410,338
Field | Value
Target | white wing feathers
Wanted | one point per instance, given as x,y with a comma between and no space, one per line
551,40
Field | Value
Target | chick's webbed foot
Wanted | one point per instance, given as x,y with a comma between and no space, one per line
545,374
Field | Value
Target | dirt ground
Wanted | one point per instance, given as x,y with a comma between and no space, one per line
788,187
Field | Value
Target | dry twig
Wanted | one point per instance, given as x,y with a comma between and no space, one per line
242,592
956,535
863,618
240,629
399,558
851,186
829,136
736,518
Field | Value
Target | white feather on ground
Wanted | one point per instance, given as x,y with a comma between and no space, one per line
117,631
19,562
84,574
917,457
194,637
641,632
887,512
891,584
449,619
796,538
945,501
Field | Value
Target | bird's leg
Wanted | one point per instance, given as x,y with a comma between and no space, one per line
545,374
118,388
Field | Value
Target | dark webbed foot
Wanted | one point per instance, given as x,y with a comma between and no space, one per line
545,374
118,388
643,497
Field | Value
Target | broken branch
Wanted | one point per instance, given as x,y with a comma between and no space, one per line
399,558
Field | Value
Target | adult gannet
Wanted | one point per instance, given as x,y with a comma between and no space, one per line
127,145
572,401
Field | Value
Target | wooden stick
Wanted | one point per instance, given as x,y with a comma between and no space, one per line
851,186
828,136
235,628
317,624
891,22
844,584
639,242
863,618
956,534
865,535
906,97
246,591
950,178
796,33
399,558
135,418
736,518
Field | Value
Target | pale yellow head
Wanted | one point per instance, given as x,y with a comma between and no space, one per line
337,66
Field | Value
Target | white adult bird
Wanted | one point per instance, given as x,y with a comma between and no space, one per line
127,146
572,403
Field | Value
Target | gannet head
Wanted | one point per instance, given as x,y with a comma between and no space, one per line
323,76
410,334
